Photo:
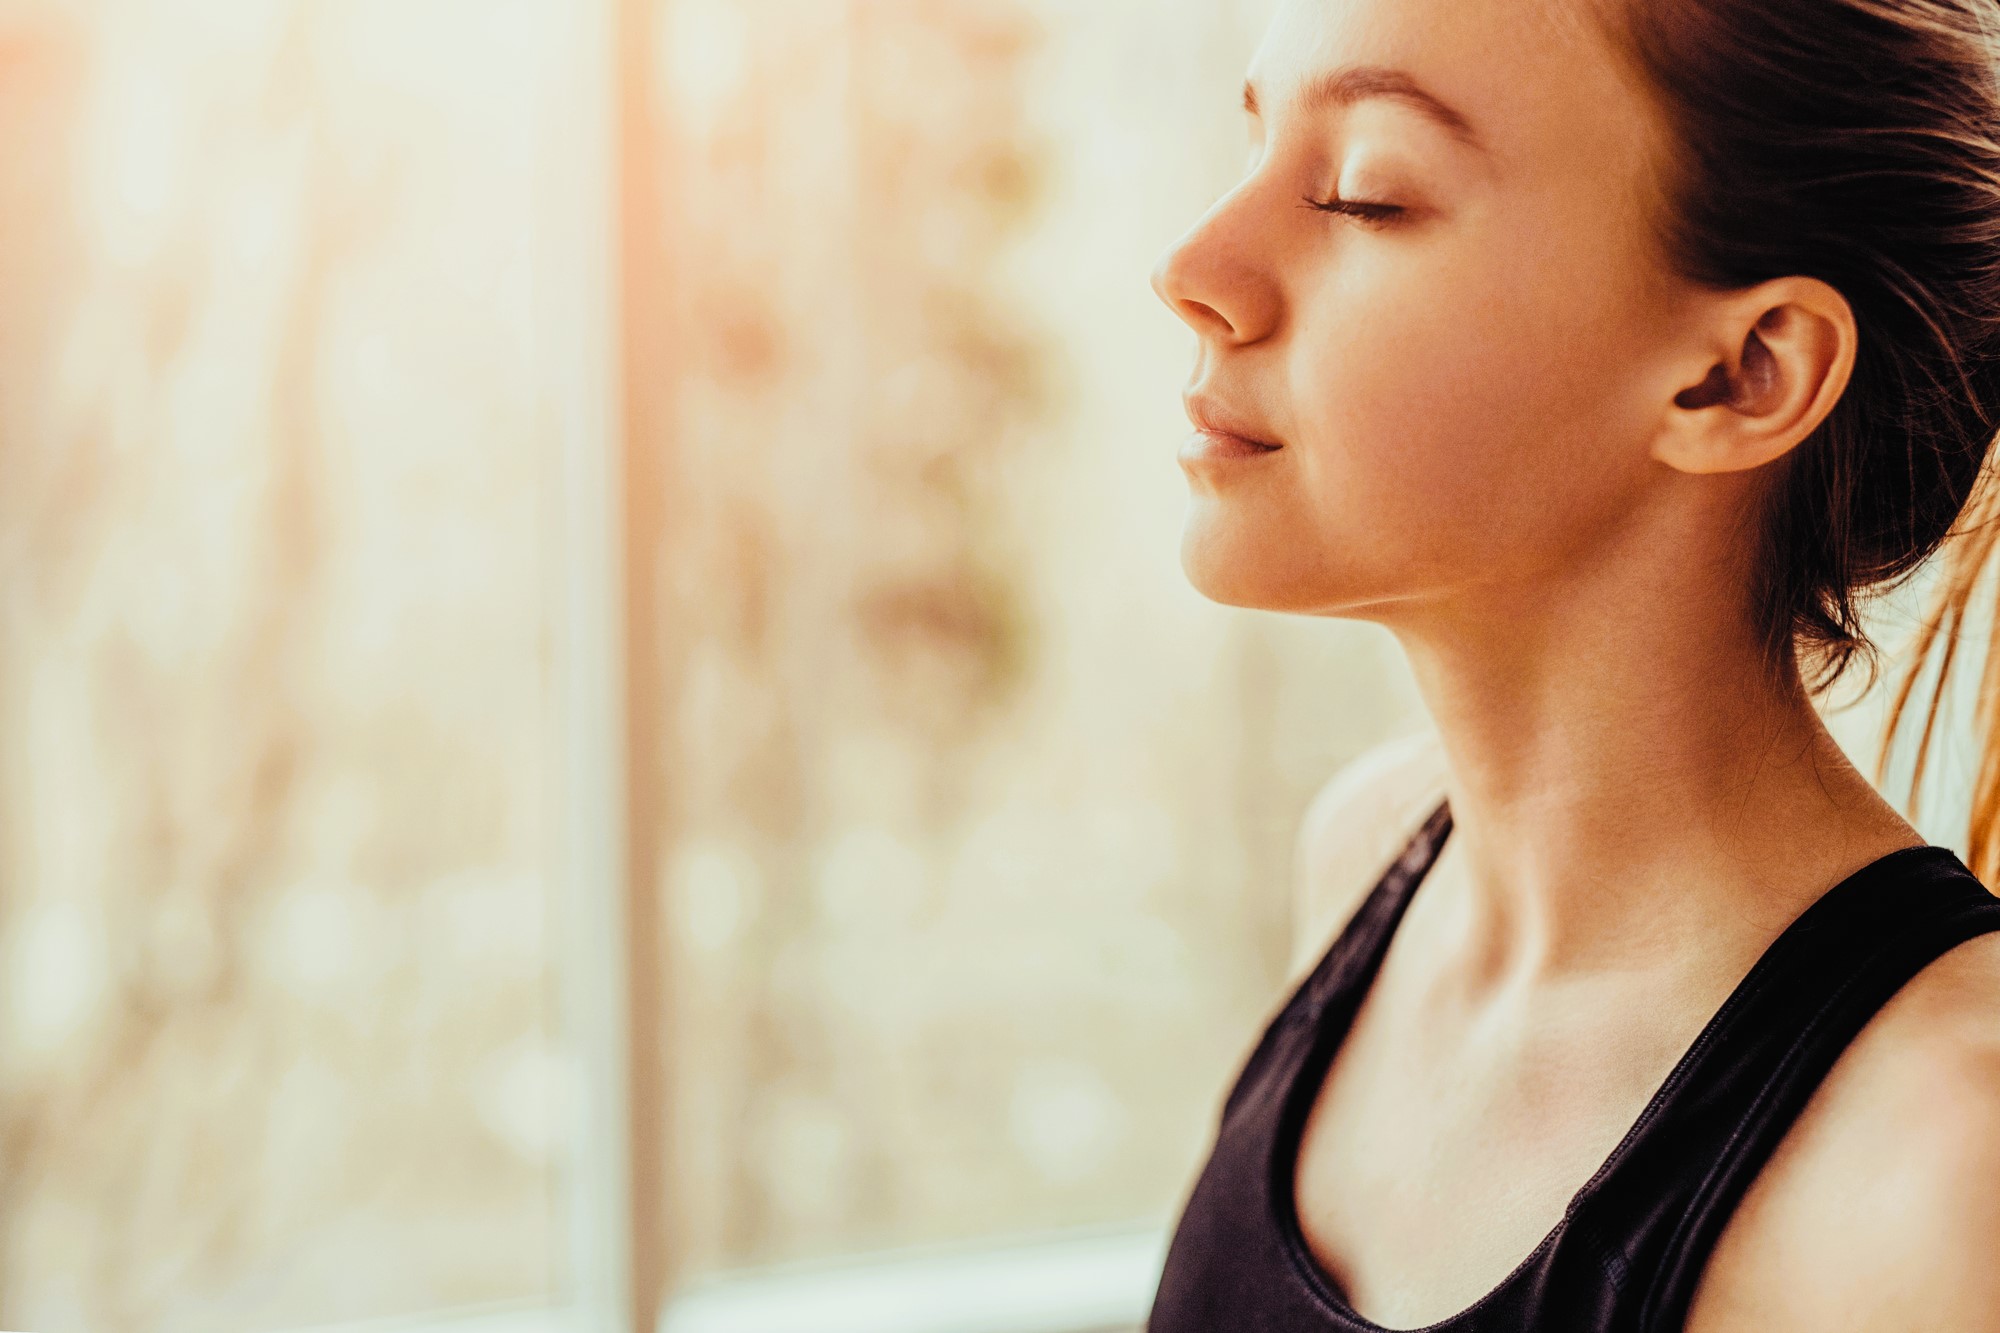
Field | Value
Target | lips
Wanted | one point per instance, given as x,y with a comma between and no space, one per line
1212,416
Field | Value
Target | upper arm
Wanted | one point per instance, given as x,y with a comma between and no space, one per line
1880,1210
1356,824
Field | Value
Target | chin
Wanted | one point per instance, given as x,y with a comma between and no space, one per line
1233,572
1234,567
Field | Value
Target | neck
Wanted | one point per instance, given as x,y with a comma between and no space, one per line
1623,784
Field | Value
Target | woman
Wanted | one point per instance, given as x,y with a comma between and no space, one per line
1607,354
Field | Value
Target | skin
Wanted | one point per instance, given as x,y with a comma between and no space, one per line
1513,437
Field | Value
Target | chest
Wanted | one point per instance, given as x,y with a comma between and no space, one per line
1442,1147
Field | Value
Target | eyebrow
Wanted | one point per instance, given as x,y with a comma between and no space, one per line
1358,83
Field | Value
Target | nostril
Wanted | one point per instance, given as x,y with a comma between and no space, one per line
1195,274
1167,285
1204,318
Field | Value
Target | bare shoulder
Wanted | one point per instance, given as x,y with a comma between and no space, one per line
1880,1209
1355,825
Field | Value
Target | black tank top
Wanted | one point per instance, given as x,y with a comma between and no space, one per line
1632,1242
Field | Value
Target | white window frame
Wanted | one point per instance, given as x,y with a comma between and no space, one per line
1082,1281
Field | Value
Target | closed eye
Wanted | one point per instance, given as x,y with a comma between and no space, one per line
1360,210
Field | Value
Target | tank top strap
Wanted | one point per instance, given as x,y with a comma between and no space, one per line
1657,1207
1348,967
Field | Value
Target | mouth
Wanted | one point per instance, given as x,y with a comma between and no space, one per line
1204,444
1220,432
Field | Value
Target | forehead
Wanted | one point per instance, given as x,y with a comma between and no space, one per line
1535,81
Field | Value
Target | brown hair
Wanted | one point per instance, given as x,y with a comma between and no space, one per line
1858,142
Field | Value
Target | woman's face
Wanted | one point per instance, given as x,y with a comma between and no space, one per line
1463,390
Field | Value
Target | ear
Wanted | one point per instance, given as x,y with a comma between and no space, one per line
1767,365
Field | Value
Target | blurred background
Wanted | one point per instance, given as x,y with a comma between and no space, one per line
600,727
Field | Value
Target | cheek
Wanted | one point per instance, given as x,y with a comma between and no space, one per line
1459,418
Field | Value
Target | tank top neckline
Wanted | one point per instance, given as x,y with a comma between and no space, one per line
1361,945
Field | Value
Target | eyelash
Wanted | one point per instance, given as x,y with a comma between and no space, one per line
1374,215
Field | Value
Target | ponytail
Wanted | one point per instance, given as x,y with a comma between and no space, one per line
1969,558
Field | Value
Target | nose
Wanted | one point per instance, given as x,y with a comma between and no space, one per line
1217,277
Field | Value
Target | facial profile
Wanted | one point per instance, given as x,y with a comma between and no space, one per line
1436,291
1616,356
